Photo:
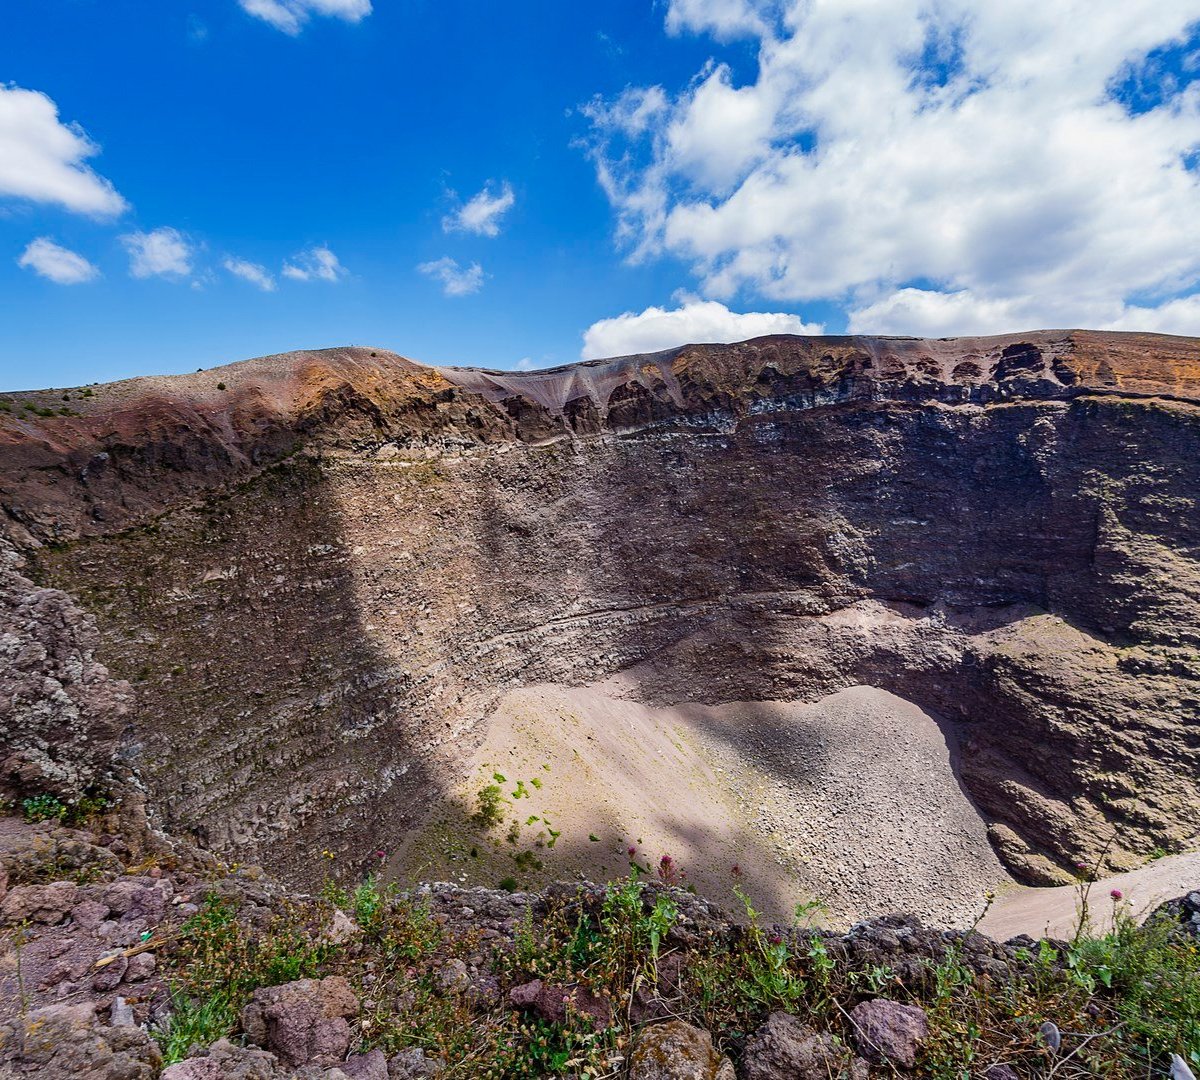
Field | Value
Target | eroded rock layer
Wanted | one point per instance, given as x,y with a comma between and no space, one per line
318,572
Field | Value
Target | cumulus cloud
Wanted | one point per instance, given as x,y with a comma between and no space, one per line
482,213
456,280
56,263
925,163
314,264
42,159
693,322
164,252
724,19
1179,316
251,272
290,16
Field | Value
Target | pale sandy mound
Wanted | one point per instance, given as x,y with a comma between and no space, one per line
852,800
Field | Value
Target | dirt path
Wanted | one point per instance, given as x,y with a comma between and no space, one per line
1055,912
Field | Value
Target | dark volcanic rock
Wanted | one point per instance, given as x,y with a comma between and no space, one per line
785,1048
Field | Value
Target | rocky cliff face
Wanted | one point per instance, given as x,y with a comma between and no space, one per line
318,580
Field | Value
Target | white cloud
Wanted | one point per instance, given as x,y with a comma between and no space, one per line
928,313
724,19
694,322
58,264
927,163
251,272
163,252
525,364
456,280
314,264
42,159
482,213
290,16
1180,316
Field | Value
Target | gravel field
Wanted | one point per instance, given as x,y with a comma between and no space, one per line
851,800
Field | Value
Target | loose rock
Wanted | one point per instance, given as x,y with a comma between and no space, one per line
785,1048
677,1051
303,1021
887,1032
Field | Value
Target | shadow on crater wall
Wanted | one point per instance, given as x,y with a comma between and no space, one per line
315,652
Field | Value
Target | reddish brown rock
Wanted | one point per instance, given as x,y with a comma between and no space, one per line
39,903
303,1022
552,1003
887,1032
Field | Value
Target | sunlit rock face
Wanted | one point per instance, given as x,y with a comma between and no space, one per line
320,580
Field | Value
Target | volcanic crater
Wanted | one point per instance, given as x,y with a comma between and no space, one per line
884,622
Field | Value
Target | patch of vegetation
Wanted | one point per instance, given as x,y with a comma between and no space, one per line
221,961
489,802
1122,1000
43,808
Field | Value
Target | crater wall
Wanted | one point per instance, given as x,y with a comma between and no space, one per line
319,581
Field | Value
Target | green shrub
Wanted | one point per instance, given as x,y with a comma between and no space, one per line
43,808
489,802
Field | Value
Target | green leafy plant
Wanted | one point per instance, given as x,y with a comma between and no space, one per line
489,802
43,808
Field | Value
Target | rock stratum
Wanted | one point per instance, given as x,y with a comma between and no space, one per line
276,603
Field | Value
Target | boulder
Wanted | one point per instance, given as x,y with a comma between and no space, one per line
225,1061
677,1051
69,1041
341,928
453,977
1184,910
785,1048
887,1032
89,914
38,903
303,1022
133,898
110,975
141,967
1000,1072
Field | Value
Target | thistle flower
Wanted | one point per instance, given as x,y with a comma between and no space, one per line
1116,894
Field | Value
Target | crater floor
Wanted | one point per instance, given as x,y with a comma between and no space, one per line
852,800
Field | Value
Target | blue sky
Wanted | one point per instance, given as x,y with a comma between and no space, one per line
643,173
